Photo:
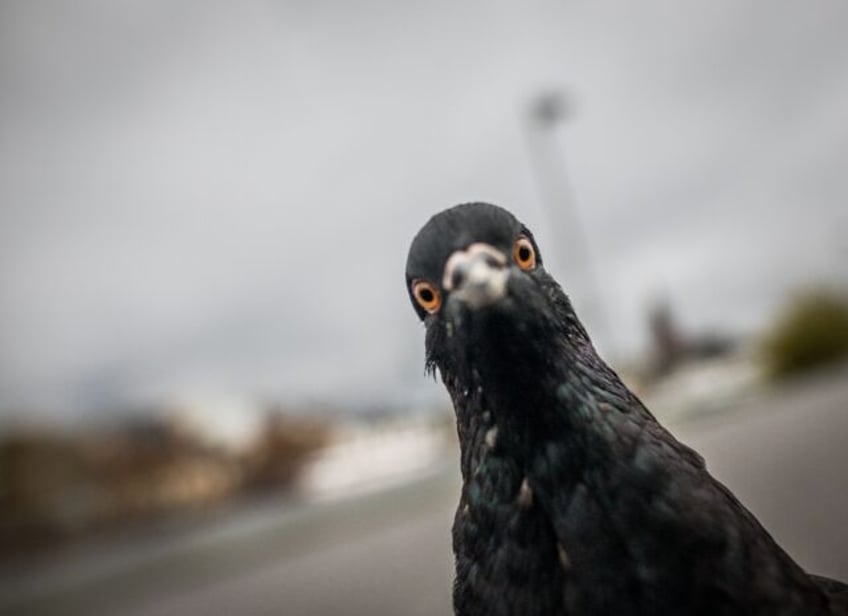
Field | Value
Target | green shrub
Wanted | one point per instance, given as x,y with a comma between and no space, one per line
811,332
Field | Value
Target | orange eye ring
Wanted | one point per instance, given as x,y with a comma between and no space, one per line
524,254
427,296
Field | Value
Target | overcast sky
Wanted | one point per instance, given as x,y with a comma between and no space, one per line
216,198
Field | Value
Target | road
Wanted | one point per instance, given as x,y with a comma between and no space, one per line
784,454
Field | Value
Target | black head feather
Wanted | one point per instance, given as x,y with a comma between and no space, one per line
455,229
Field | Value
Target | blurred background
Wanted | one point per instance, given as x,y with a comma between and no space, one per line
212,396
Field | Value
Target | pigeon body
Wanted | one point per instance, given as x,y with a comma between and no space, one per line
575,500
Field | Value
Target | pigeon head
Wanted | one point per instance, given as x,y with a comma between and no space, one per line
476,278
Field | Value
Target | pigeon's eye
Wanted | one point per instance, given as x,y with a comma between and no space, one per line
427,296
524,254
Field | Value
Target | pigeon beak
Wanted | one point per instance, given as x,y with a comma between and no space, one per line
476,276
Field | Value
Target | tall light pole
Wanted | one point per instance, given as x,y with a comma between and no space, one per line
546,114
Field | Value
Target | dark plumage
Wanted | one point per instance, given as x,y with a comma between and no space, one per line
574,499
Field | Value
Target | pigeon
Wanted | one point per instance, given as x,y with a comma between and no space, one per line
574,500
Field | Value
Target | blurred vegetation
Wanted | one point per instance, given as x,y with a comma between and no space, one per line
55,485
282,449
811,332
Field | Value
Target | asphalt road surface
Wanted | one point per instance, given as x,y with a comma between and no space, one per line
784,454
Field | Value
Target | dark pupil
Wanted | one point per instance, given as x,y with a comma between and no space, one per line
426,295
524,253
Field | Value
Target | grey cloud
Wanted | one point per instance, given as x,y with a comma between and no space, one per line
222,196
